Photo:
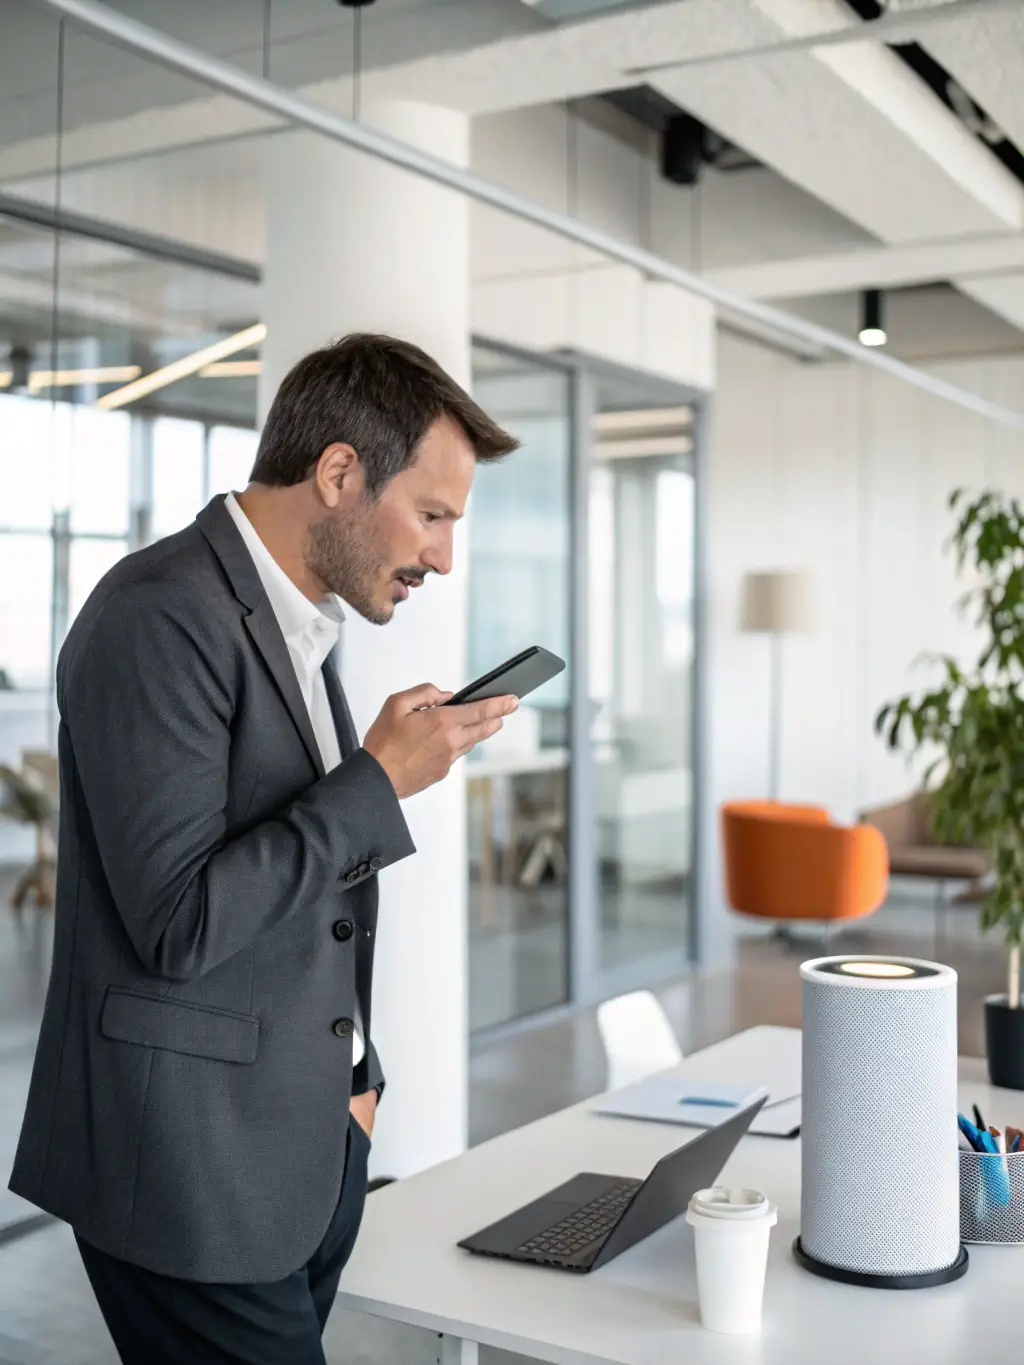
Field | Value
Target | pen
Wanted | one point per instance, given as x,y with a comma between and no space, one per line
972,1134
979,1122
995,1173
1016,1142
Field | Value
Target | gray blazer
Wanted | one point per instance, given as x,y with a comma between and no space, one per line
215,920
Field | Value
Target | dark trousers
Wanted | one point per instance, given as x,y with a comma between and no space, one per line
156,1320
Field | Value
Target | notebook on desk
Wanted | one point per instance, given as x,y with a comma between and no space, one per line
706,1090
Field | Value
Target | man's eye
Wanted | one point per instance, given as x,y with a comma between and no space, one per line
433,516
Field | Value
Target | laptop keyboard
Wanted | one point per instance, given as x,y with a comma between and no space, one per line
589,1223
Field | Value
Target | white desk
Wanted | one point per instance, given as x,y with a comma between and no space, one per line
515,763
641,1309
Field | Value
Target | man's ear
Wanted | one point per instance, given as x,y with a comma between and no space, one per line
338,474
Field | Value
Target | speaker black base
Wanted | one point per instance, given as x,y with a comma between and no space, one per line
926,1281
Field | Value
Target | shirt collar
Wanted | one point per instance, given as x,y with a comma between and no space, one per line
295,613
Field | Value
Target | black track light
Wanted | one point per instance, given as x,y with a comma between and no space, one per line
872,332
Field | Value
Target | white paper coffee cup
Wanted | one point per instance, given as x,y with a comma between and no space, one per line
731,1228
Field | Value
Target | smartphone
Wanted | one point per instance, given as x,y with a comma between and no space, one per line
514,678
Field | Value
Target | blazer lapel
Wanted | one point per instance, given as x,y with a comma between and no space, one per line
348,739
217,526
261,624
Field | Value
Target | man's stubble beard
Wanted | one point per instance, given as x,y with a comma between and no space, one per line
348,558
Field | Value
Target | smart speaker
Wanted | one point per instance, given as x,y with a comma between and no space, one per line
880,1196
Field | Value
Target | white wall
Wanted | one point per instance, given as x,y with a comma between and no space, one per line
845,472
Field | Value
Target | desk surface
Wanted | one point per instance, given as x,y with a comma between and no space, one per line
641,1309
515,762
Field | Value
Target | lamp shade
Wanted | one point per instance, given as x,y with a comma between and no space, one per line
777,601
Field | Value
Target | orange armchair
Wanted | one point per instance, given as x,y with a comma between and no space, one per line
790,862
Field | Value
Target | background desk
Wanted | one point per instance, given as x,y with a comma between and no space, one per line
641,1309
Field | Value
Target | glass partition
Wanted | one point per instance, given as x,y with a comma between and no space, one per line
519,582
641,579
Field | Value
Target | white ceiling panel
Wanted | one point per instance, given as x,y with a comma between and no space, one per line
985,52
1003,294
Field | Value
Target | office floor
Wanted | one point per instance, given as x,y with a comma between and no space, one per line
47,1315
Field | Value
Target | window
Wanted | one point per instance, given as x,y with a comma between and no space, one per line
179,479
26,464
93,452
26,594
232,455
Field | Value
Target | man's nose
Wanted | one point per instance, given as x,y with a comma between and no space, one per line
439,556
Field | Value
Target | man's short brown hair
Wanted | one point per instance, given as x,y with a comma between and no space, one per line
377,394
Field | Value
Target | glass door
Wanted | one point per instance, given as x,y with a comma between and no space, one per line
640,648
518,783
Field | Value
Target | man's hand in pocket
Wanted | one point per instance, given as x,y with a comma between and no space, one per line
364,1110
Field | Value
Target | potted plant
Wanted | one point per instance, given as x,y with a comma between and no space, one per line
971,727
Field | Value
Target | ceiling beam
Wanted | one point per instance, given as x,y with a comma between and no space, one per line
881,267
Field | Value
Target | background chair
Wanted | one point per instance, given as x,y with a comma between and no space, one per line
906,827
637,1037
790,863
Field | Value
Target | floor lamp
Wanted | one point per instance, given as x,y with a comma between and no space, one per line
775,603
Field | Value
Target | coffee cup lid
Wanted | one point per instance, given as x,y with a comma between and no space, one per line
732,1204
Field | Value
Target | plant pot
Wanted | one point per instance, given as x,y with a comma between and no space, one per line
1004,1043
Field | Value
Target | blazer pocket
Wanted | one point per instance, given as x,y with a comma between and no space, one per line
179,1026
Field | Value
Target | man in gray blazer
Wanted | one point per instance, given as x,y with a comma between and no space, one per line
205,1080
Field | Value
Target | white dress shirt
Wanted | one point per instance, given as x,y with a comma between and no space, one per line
310,631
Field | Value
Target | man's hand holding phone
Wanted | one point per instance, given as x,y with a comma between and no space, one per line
416,738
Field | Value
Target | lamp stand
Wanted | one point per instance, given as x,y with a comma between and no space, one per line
774,714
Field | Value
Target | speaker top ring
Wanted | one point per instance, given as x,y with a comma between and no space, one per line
870,971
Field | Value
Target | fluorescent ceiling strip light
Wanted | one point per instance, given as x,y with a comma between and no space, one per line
181,369
642,445
62,379
231,369
643,419
101,374
261,94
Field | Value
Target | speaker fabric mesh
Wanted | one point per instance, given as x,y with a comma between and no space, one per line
879,1154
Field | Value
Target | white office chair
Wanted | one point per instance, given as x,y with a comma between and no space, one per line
638,1038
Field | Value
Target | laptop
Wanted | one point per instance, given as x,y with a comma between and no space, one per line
592,1218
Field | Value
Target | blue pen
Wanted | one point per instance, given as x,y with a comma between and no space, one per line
1016,1143
994,1173
971,1133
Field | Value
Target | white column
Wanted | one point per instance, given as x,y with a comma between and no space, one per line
356,245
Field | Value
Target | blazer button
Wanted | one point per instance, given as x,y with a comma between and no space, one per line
343,1028
352,877
376,864
342,930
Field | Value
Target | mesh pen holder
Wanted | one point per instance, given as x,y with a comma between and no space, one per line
992,1198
